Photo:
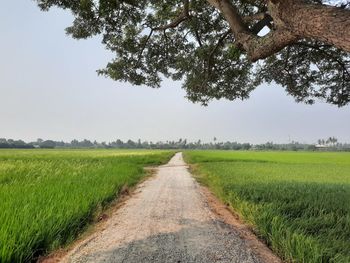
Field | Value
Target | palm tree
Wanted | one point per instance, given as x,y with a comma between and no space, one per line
333,140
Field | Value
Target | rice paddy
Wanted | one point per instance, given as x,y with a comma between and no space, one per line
298,202
48,197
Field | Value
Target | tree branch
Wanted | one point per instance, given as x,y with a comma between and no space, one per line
328,24
218,44
255,17
198,38
255,46
178,20
345,66
144,46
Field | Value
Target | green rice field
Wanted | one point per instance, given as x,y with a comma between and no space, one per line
47,197
298,202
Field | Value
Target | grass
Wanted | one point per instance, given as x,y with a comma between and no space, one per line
299,202
47,197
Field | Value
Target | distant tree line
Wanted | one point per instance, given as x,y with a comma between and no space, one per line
19,144
329,144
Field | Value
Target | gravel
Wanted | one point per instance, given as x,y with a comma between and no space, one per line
166,220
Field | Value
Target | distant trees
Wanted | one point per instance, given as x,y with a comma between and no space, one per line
331,142
4,143
324,144
49,144
129,144
293,146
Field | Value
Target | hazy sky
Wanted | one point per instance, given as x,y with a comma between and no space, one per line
49,89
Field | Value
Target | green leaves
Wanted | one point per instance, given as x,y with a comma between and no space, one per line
233,52
201,52
310,70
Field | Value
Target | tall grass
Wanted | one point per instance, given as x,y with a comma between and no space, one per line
48,196
299,202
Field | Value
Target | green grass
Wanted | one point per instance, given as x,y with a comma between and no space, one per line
47,197
299,202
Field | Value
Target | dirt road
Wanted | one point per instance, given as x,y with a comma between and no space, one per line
167,220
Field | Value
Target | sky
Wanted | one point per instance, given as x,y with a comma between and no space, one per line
49,89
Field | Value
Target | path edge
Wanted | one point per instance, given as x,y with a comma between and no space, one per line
92,229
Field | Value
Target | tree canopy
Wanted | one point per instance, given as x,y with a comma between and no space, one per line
222,48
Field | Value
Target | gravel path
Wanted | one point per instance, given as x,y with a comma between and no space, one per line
167,220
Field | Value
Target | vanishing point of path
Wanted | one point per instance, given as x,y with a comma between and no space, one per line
167,220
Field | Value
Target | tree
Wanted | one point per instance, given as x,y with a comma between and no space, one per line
48,144
216,46
86,144
332,140
335,141
74,143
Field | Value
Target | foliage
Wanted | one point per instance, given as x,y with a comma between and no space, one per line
200,50
297,202
330,144
49,196
4,143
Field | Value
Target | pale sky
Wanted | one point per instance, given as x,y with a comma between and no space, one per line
49,89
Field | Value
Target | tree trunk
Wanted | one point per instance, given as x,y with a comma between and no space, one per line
320,22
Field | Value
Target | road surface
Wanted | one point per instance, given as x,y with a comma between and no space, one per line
167,220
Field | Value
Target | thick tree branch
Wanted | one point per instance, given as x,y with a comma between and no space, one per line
255,46
231,15
293,20
255,17
328,24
